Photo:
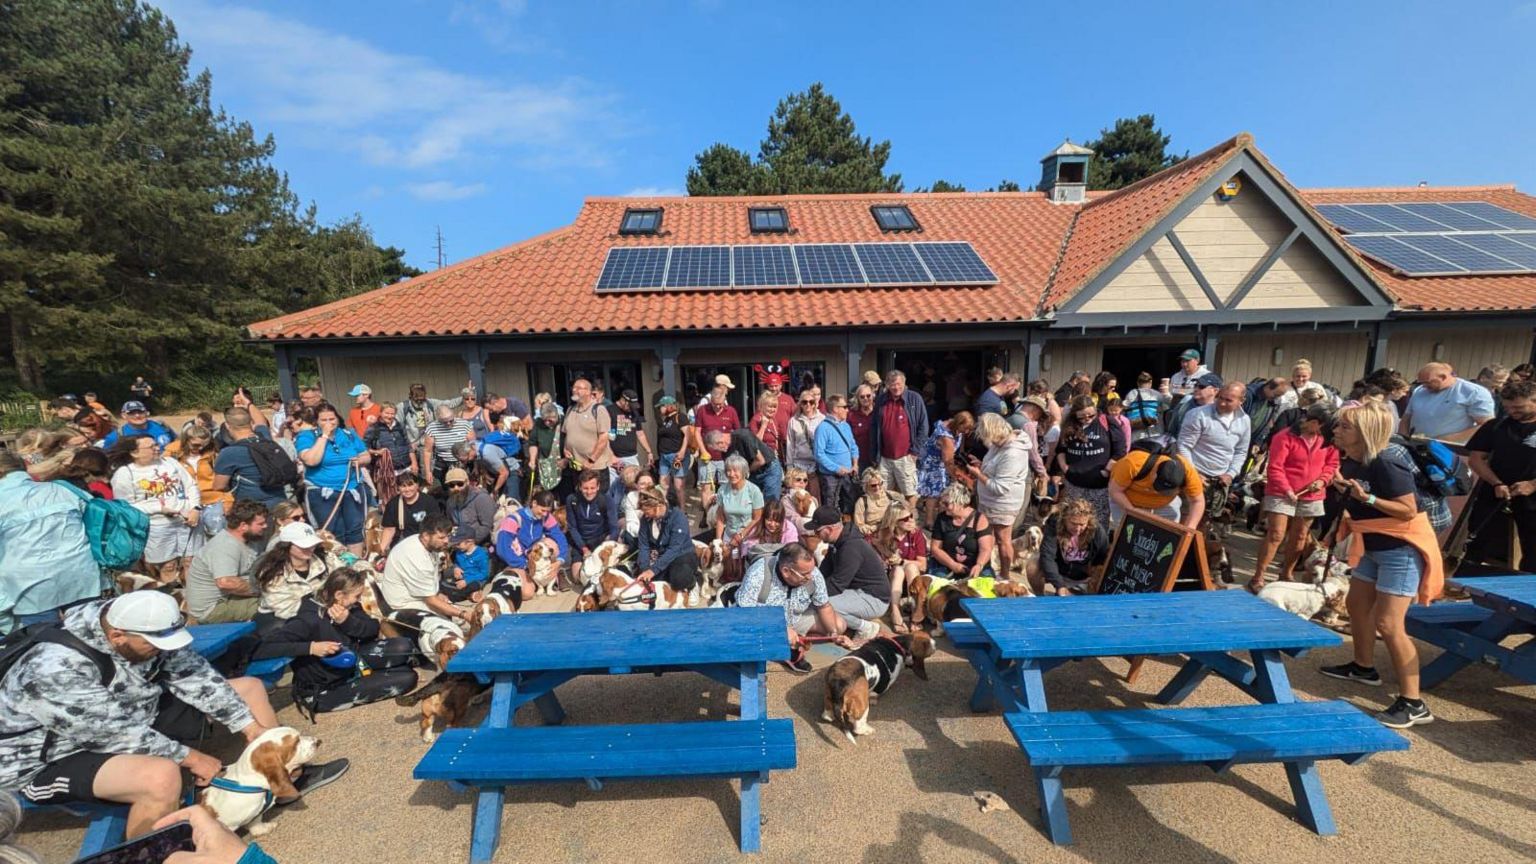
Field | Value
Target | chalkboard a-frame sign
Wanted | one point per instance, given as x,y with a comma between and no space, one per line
1149,555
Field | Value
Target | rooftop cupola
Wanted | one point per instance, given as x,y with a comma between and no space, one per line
1064,173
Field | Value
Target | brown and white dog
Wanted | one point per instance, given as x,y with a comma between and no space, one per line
617,590
605,557
936,600
447,696
266,767
373,535
1323,596
868,673
711,567
544,566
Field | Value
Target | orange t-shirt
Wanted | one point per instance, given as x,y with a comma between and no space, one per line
1140,492
361,418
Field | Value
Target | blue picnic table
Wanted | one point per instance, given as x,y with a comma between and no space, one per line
526,657
1013,642
1501,607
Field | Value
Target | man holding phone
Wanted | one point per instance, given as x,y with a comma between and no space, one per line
95,710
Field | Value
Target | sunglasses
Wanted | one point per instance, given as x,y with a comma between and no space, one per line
181,623
455,485
807,401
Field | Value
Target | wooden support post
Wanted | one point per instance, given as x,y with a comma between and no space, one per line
287,379
475,362
1053,805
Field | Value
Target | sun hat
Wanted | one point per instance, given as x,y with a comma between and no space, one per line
1038,401
152,615
300,534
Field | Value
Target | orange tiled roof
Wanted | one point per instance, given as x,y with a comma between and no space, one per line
1444,293
1042,254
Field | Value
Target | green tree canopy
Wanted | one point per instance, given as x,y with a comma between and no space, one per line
1005,186
1134,148
811,147
944,186
144,227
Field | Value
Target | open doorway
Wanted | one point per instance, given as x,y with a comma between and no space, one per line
949,379
1128,361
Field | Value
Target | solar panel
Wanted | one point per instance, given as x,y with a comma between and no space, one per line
1450,217
1456,252
765,267
1402,221
828,264
892,264
1496,214
1351,220
699,267
955,264
1511,247
632,268
1400,256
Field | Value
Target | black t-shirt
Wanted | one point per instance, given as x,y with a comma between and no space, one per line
425,506
1088,456
854,565
625,423
747,446
669,435
960,542
1511,449
1385,477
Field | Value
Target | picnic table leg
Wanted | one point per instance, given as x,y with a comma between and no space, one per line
1460,644
1198,667
486,833
1435,672
754,698
1184,682
982,698
1053,805
1273,685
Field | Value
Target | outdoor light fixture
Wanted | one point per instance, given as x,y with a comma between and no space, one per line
1438,353
1045,361
1278,357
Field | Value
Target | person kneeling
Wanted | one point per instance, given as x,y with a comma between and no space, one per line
339,659
95,711
789,579
410,586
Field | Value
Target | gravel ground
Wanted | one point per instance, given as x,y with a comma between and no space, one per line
1462,793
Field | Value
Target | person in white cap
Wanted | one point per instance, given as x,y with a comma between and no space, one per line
365,412
95,711
288,572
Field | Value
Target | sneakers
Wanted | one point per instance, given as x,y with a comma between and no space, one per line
1353,671
797,664
868,630
317,775
1404,713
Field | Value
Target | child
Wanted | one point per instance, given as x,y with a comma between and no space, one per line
900,543
471,568
629,511
795,493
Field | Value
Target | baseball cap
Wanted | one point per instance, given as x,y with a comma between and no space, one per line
456,475
133,407
629,395
1190,354
152,615
1038,401
300,534
824,517
1209,379
460,535
725,381
360,389
665,400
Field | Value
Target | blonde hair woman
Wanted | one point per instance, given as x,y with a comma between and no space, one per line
902,546
1396,557
1002,483
871,506
47,451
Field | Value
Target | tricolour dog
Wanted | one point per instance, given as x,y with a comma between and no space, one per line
447,696
936,600
869,672
618,590
1322,596
262,775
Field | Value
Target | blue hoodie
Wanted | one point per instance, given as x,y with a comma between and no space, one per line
520,530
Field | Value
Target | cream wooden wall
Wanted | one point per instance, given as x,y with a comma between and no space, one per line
1467,350
391,377
1337,358
1069,355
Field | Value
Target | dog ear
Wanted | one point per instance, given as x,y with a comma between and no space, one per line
270,760
921,646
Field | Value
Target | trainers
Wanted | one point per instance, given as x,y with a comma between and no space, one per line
798,664
868,630
1353,671
317,775
1404,713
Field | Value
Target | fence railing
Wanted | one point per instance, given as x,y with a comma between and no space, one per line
23,414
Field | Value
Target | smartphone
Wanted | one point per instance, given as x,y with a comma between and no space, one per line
151,848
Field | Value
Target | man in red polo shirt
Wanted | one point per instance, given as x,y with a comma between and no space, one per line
714,416
901,433
861,418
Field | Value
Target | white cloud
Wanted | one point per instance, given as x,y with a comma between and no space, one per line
496,21
654,192
393,109
443,190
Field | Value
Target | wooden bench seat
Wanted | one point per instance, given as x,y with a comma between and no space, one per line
270,670
1295,733
965,634
1459,615
490,757
108,822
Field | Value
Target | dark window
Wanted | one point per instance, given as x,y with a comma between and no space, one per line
556,378
768,220
641,221
894,218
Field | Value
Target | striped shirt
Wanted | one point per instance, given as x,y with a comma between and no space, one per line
446,437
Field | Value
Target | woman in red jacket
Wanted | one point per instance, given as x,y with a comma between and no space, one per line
1301,462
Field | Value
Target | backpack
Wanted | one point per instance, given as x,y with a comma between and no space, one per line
18,642
1169,478
1439,473
758,552
508,442
1143,411
273,466
116,530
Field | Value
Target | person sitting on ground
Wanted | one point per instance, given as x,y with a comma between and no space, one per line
871,506
411,587
795,482
901,544
590,516
1073,546
471,569
856,578
469,506
136,422
1156,479
962,537
329,630
404,513
96,716
219,584
523,528
664,547
774,527
89,471
486,464
162,488
280,517
236,468
289,571
789,579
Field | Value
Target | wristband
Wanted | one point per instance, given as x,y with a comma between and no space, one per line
1370,501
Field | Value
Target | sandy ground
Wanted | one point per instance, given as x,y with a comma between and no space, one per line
1462,793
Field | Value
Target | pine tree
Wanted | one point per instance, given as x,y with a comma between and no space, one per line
1134,148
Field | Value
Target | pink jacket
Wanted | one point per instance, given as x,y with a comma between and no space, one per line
1294,462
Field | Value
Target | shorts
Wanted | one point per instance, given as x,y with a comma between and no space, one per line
1394,571
900,474
73,778
664,465
712,473
1301,509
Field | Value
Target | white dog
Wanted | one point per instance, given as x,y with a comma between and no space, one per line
1307,599
262,774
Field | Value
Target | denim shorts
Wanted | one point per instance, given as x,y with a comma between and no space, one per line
712,472
1394,571
664,465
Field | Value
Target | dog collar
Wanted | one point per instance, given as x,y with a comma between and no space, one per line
226,785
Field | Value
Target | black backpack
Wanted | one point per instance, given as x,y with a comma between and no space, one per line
272,463
1163,458
17,643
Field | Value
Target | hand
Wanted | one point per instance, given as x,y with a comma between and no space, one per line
459,583
646,576
842,641
215,844
677,464
1356,491
1524,487
458,573
203,767
254,730
1292,497
1225,479
324,649
338,613
191,517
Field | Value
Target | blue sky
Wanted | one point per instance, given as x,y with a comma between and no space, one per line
494,119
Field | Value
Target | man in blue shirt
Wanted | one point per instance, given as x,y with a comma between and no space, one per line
1446,407
837,456
136,422
235,468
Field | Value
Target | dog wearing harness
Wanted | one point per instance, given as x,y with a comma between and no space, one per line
868,673
258,779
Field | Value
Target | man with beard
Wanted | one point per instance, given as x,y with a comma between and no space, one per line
472,510
219,586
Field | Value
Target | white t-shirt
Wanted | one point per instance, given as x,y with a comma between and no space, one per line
410,575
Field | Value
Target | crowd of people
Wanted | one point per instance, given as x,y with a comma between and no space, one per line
829,505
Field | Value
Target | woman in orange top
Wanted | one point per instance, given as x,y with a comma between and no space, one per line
1395,558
